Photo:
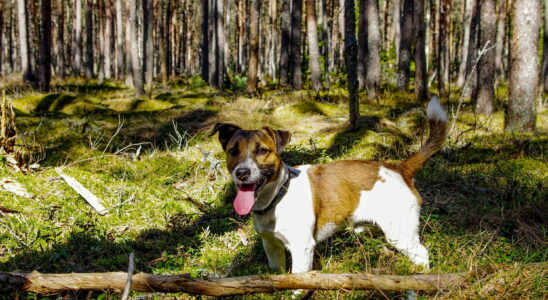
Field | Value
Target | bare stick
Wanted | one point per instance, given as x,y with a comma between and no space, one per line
130,268
85,193
55,283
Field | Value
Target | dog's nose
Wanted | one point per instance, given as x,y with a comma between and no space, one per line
243,173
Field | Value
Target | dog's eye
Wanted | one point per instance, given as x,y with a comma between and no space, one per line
262,151
233,151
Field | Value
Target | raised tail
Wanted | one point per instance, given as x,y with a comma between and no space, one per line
437,119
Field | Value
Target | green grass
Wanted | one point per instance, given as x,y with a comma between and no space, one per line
484,192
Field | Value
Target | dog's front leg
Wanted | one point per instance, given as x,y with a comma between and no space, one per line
302,255
275,252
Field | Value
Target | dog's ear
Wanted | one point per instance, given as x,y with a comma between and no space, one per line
226,131
281,137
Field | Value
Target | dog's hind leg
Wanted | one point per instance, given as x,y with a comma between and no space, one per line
275,252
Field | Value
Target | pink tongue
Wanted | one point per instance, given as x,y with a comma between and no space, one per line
244,200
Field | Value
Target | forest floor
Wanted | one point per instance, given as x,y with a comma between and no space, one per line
162,178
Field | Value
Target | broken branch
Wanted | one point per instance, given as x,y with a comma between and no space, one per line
85,193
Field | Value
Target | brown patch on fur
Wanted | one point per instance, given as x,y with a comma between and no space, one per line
336,189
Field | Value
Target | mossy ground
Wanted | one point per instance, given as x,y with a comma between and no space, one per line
485,192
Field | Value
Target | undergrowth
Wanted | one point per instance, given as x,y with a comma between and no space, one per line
162,178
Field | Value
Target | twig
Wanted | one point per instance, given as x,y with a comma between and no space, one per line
85,193
118,129
130,269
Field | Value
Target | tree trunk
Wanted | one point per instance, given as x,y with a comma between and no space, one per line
501,33
61,63
107,53
255,12
544,73
26,67
524,69
351,55
77,41
241,34
373,49
89,39
135,62
421,87
285,28
362,43
205,40
473,47
220,49
148,47
443,48
119,52
486,66
313,48
212,43
2,38
326,41
469,7
273,39
396,30
295,54
407,34
45,45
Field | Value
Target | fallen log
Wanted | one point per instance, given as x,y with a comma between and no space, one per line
116,281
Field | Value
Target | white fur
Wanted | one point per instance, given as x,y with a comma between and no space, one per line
390,204
435,111
249,163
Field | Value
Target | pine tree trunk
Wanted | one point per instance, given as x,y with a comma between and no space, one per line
61,63
473,48
89,39
486,65
421,88
77,41
362,43
443,48
2,38
273,38
351,57
254,13
45,45
313,48
212,43
148,47
220,49
205,40
326,40
296,54
119,50
396,31
524,69
407,34
107,53
373,49
544,73
135,62
467,25
241,34
501,33
26,67
285,28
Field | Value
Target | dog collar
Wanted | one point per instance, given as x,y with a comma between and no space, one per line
281,193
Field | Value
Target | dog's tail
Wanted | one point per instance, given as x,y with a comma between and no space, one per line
437,119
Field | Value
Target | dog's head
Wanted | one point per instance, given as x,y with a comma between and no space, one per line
253,159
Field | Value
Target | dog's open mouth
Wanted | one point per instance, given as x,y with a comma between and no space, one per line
245,199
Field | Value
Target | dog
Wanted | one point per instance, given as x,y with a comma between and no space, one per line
296,208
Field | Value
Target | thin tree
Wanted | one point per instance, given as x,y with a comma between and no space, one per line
221,54
45,45
486,67
396,30
254,20
421,88
205,40
295,54
77,41
501,34
24,53
135,62
469,8
89,39
107,52
444,12
407,33
1,37
544,73
351,57
373,48
148,47
524,68
326,38
285,46
362,43
119,49
61,63
313,48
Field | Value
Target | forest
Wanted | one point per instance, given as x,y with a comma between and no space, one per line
116,100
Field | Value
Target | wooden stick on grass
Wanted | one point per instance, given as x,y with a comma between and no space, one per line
55,283
85,193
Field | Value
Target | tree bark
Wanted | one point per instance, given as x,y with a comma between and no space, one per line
24,53
501,33
474,46
313,48
443,46
61,63
255,11
373,49
407,34
544,73
89,39
2,38
77,41
396,30
326,31
362,43
107,53
148,47
524,69
486,66
142,282
421,87
119,50
351,55
220,49
135,62
45,45
469,7
295,54
205,40
285,28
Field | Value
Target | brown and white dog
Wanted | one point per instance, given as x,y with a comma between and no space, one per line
296,208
